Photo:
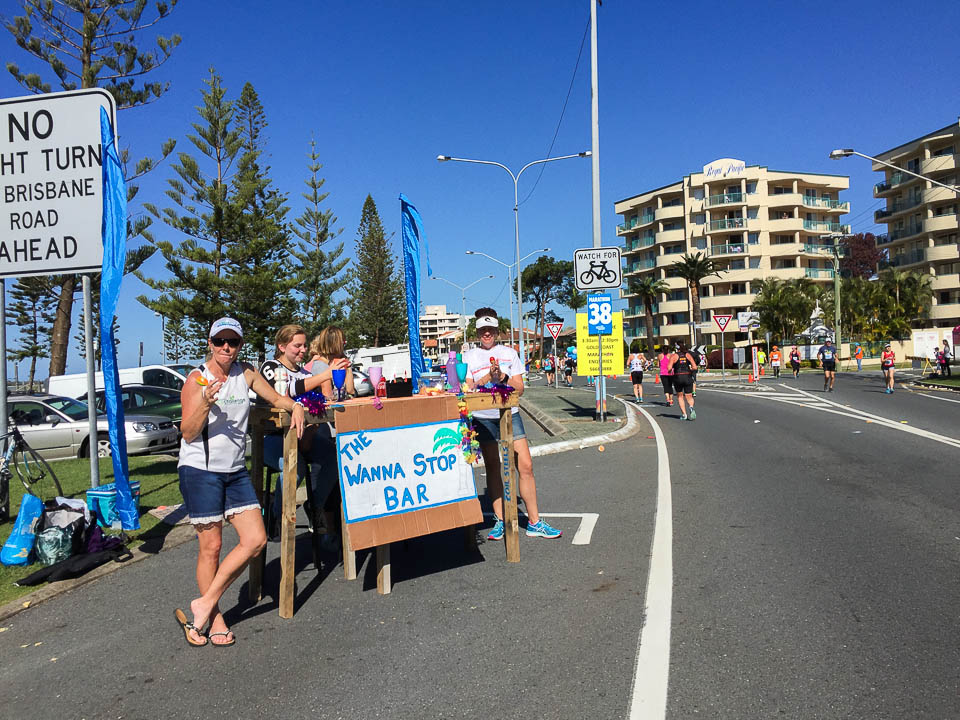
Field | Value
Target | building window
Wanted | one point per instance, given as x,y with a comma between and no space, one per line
677,295
753,238
699,218
751,188
754,263
738,265
738,288
943,151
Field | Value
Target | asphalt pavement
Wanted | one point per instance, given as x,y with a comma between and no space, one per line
813,545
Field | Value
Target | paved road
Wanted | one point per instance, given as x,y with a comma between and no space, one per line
814,561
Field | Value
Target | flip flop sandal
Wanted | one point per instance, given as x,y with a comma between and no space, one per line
224,634
187,626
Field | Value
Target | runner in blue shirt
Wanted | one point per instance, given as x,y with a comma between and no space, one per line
827,355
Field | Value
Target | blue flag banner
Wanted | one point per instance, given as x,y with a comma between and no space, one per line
114,259
412,231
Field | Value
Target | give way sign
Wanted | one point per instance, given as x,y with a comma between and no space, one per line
554,329
722,321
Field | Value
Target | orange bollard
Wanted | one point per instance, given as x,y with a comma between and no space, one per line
761,371
657,379
750,377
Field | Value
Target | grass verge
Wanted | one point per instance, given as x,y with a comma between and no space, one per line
950,381
158,486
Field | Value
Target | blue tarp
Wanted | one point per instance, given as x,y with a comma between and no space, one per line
114,259
412,231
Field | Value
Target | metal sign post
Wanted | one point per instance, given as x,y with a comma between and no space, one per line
600,323
5,508
722,321
93,442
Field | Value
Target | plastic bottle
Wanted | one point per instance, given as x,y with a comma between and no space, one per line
382,388
452,380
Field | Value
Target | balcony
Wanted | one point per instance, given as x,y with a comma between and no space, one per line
937,194
790,199
938,164
639,243
946,282
939,223
642,330
635,311
945,311
724,199
883,239
898,178
906,231
783,249
731,249
784,225
728,301
819,202
727,224
943,252
640,265
825,226
668,259
667,236
820,249
917,255
669,212
897,207
818,273
672,306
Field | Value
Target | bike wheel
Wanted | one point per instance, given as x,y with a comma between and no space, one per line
609,275
37,477
586,277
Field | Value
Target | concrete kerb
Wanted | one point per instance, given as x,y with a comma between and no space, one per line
177,536
541,418
630,429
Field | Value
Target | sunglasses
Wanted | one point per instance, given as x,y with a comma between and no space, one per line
232,342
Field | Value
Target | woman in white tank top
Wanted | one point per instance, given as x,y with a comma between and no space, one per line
214,480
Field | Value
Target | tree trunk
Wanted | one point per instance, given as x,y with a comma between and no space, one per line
648,318
695,304
60,335
33,370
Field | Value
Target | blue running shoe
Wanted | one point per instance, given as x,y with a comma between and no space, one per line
691,415
541,529
497,532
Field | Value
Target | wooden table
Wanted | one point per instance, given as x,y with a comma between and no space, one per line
264,421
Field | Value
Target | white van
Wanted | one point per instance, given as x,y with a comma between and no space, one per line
394,359
75,385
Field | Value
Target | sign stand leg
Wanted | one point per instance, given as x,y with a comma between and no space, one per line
508,476
723,358
384,585
5,510
349,556
92,442
288,522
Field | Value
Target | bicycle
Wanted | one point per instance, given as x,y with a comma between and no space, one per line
598,270
32,470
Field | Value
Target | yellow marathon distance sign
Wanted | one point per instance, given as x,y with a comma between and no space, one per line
588,348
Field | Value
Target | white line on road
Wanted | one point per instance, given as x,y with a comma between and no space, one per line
928,395
588,521
652,670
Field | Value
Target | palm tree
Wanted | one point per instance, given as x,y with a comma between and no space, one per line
694,268
648,289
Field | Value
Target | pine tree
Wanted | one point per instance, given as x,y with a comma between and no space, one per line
322,272
175,340
92,44
378,314
260,274
29,312
204,212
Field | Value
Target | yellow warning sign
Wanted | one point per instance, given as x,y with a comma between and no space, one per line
588,348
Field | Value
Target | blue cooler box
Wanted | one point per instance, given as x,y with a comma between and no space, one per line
103,501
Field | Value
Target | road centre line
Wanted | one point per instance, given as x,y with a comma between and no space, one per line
651,673
928,395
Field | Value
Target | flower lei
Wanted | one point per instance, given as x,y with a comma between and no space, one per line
313,402
469,445
497,390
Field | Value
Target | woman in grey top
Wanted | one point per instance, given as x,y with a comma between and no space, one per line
214,480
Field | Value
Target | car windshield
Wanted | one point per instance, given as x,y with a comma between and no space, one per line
73,409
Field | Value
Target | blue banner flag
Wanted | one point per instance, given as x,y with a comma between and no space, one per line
114,259
412,231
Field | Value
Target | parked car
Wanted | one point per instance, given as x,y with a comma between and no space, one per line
57,427
144,399
361,383
75,385
182,368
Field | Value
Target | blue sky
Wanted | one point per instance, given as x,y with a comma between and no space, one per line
385,87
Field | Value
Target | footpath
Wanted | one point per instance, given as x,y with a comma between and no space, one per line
556,421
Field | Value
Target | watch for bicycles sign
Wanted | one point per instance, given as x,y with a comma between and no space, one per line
597,268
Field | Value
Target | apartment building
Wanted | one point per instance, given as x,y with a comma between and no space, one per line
436,324
921,218
753,222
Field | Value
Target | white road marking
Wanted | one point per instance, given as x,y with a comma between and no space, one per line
588,521
928,395
652,670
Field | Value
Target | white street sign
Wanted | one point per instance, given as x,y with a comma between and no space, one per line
597,268
52,182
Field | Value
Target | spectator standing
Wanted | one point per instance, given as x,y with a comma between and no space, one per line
945,356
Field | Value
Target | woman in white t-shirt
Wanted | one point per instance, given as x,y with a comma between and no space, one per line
497,364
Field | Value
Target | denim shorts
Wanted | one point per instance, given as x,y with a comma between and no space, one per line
488,429
211,496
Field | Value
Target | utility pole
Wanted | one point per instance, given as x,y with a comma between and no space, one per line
601,384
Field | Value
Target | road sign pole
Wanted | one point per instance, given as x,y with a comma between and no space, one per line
723,358
556,366
93,445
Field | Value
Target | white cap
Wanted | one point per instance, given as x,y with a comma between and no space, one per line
225,323
487,321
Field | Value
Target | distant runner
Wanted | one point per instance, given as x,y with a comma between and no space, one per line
887,360
683,366
827,355
666,377
548,369
775,361
795,361
637,365
568,371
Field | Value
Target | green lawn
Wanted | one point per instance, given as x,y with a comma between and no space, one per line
158,486
953,381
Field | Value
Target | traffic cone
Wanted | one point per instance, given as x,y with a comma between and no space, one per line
750,377
761,371
657,379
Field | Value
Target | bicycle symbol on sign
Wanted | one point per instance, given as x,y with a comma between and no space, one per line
600,271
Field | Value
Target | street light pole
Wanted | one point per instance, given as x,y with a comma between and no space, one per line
509,267
847,152
163,340
463,299
516,223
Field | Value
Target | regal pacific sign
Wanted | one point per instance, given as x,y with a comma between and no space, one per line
397,470
723,168
51,182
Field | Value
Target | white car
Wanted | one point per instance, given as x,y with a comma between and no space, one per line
57,427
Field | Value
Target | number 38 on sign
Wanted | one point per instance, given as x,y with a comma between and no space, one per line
600,314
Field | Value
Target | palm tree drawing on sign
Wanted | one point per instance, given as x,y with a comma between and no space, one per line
445,439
